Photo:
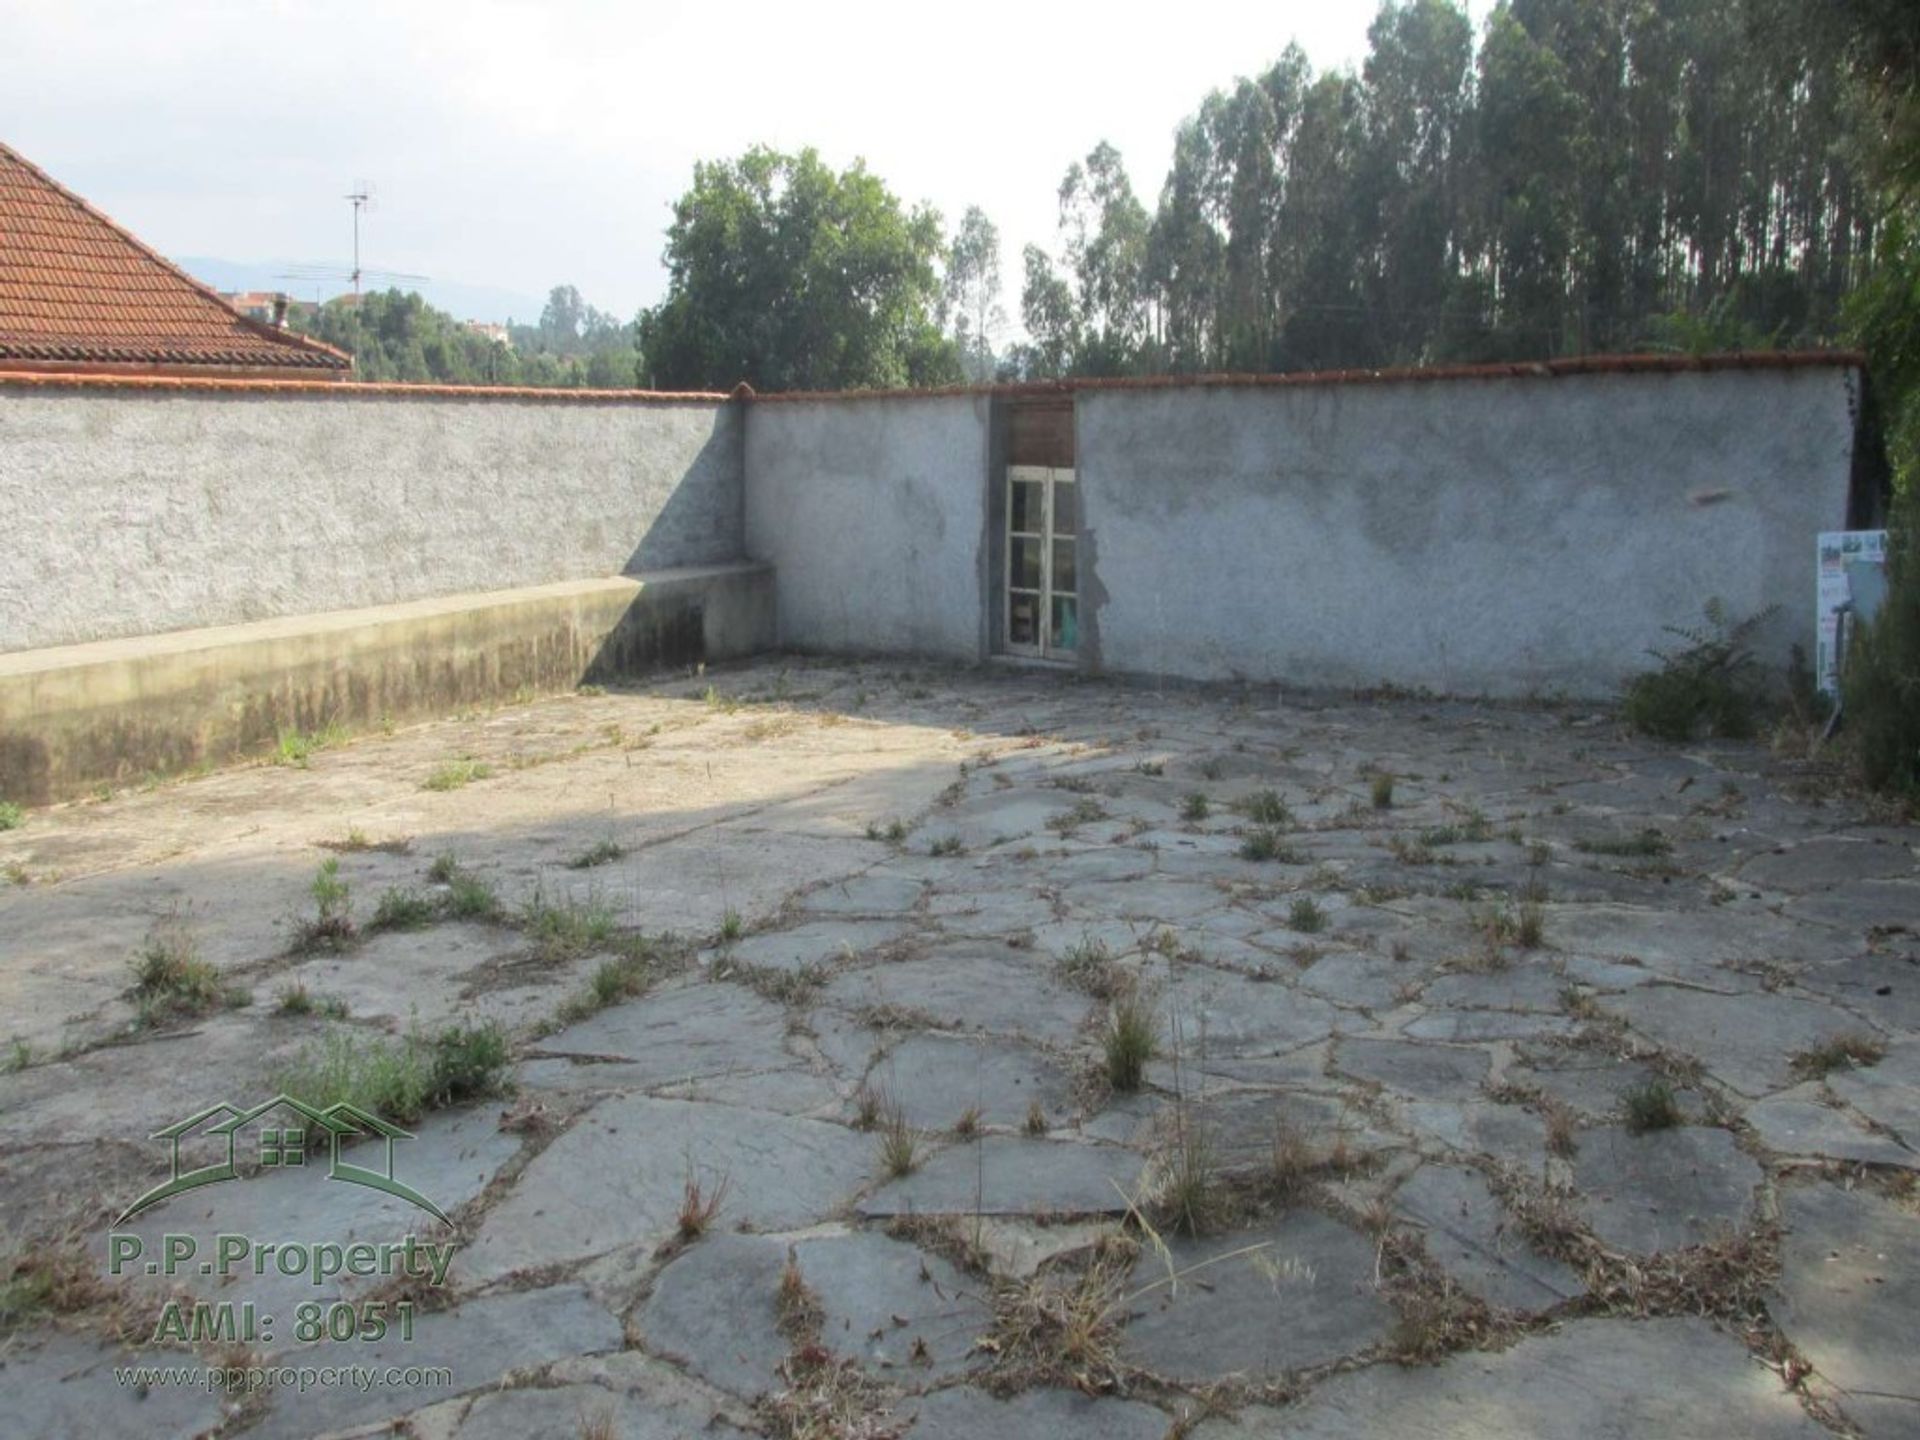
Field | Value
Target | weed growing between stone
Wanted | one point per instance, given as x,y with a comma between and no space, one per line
331,926
400,1080
170,979
1850,1051
699,1204
402,909
569,927
603,852
1651,1107
1130,1039
456,774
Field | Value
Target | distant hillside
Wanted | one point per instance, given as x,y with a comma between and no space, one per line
464,302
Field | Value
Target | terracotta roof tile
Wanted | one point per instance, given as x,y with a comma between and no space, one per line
76,288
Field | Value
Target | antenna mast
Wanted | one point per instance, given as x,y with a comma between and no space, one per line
361,197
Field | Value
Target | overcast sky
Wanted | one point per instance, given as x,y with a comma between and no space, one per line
520,145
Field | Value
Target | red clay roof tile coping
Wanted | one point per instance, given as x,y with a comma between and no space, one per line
1514,370
337,389
1537,369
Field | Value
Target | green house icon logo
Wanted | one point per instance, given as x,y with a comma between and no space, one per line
294,1133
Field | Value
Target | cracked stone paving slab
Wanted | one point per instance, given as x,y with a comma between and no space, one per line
805,798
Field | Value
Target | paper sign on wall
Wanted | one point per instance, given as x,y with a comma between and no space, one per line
1843,555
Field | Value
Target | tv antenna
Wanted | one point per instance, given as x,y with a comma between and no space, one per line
362,199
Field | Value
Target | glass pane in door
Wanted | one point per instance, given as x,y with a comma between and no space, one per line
1023,618
1066,503
1065,632
1063,567
1023,557
1027,507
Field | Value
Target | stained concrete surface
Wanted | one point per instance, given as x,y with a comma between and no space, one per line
1433,1083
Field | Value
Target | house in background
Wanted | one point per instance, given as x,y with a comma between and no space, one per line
79,293
269,307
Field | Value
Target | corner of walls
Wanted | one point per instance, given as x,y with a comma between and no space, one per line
871,510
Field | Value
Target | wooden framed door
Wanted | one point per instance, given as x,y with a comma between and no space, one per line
1041,579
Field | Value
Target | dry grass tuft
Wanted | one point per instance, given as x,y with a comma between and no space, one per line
1189,1197
899,1141
1090,966
698,1205
49,1281
827,1399
1433,1316
1562,1130
1839,1052
1061,1324
1131,1038
1725,1278
1296,1164
795,1303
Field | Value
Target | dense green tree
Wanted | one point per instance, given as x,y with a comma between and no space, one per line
1052,321
560,321
1105,232
398,336
973,292
791,277
1590,175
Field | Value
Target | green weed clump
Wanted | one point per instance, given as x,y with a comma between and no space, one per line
403,909
569,928
455,774
1265,807
1711,685
296,747
468,897
605,852
391,1078
170,978
1263,842
1307,916
400,1080
331,926
1881,687
1131,1039
1651,1106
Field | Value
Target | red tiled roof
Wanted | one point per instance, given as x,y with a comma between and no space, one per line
76,289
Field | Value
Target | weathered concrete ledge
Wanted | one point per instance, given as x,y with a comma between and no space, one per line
76,716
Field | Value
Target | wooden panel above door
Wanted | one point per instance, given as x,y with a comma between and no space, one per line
1040,432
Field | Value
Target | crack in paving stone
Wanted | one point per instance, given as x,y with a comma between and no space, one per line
1590,1380
1756,928
1468,1236
1004,1175
1850,1300
1663,1189
618,1175
1256,1303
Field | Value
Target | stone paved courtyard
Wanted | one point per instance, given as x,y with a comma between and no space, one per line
1507,1077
